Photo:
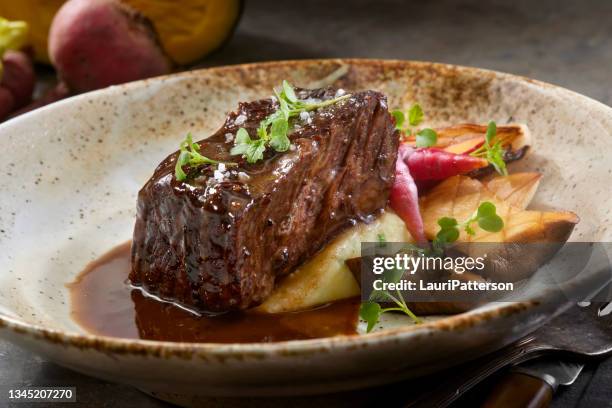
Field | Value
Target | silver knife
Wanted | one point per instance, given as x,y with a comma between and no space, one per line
553,372
533,382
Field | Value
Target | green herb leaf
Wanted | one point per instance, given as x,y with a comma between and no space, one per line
485,216
255,151
289,93
486,209
426,137
491,133
273,130
491,224
178,168
488,219
189,155
492,150
415,115
469,230
495,156
392,275
447,222
278,135
380,296
241,142
399,118
370,312
242,136
381,238
447,235
284,108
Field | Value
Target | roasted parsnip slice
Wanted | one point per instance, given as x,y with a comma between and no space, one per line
515,136
460,196
516,190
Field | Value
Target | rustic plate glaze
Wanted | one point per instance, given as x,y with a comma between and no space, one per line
69,174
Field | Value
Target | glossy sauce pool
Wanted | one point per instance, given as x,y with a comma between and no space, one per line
104,303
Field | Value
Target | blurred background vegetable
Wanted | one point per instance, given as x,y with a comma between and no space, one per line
188,30
96,43
16,70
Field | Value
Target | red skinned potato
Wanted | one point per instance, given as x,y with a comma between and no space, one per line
18,77
97,43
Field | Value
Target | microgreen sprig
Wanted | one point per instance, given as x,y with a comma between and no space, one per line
272,131
485,216
487,219
492,150
189,155
426,137
371,310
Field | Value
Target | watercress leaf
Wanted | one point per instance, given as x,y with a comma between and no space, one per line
196,158
255,151
495,157
399,118
468,228
242,137
262,131
491,132
426,138
379,296
447,222
278,135
447,235
289,93
194,147
178,168
239,149
284,109
486,208
392,275
370,312
415,115
491,223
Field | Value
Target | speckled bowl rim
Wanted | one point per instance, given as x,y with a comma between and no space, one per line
294,347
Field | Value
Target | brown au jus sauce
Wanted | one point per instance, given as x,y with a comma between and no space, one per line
103,302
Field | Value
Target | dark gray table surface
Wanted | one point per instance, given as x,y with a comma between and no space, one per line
565,42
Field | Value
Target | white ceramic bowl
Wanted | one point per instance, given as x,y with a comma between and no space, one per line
69,174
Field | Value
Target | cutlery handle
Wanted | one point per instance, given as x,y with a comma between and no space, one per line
519,390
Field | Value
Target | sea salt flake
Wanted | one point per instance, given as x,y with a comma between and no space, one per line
221,167
340,92
229,138
218,175
242,176
240,119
